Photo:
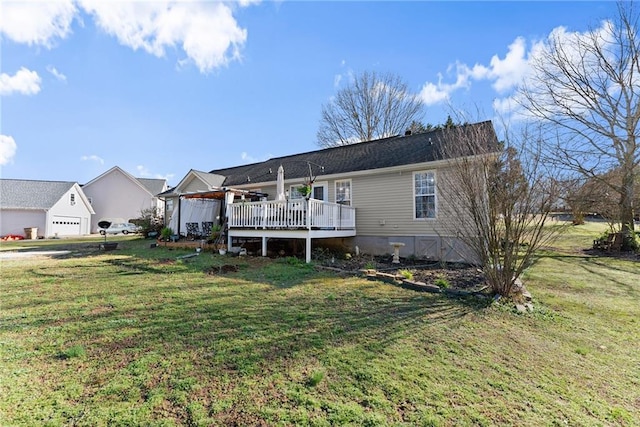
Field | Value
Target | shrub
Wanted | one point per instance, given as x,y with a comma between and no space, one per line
149,220
407,274
370,265
166,233
442,283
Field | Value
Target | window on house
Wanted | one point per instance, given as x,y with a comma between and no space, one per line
343,192
294,193
424,189
169,205
72,199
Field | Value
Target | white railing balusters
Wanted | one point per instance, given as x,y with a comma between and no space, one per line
296,214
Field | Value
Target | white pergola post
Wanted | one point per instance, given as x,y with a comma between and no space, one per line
264,246
307,250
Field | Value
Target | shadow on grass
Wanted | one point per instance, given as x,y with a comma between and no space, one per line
240,325
267,311
602,268
243,333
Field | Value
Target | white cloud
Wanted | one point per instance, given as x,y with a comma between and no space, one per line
92,158
433,94
504,73
8,149
207,32
247,158
36,22
57,74
348,74
509,72
250,159
24,81
143,172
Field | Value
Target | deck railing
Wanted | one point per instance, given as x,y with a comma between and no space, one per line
292,214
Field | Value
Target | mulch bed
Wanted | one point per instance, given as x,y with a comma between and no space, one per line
458,276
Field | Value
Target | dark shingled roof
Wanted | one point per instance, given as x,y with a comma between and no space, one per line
153,185
26,194
377,154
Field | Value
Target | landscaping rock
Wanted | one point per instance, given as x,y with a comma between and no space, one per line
389,278
521,308
420,286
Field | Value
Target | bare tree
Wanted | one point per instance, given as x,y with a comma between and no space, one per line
501,196
372,106
588,88
577,198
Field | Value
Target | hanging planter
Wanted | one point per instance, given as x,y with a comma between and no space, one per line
305,191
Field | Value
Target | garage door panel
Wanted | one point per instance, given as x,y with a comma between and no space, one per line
65,225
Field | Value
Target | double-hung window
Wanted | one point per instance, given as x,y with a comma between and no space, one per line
343,192
294,193
424,190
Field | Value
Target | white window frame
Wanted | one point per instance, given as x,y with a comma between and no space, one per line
323,184
434,195
293,192
347,201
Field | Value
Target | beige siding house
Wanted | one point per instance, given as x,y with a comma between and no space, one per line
118,196
366,195
194,182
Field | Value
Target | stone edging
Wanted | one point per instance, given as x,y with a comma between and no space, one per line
399,280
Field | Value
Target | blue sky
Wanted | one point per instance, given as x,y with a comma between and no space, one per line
159,88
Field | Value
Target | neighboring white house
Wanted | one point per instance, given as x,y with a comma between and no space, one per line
118,196
55,208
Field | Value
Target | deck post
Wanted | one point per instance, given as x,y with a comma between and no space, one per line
307,250
264,246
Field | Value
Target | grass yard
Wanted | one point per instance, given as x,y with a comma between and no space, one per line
137,337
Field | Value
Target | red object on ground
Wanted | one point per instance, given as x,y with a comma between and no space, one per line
12,237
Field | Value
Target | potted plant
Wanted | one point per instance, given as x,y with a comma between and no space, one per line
166,233
305,190
222,249
215,233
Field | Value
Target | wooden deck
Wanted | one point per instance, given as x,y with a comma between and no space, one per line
293,219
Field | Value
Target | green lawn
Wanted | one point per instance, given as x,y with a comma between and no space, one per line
136,337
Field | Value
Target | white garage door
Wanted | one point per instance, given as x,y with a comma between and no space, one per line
66,225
